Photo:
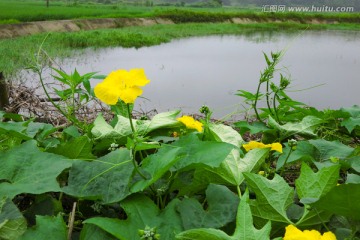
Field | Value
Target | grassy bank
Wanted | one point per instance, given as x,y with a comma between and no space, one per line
32,10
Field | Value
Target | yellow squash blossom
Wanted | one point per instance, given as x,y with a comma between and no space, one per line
121,84
253,144
292,233
191,123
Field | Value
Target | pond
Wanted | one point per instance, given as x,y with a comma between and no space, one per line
185,74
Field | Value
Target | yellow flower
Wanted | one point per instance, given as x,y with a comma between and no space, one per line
292,233
191,123
253,144
276,147
121,84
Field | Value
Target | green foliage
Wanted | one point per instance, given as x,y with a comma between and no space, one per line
316,185
185,16
305,127
221,208
47,226
26,169
273,197
244,227
106,179
340,201
77,148
141,212
12,223
137,179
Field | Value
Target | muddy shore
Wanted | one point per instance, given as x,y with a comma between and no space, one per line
30,28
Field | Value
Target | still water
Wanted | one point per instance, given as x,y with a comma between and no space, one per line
187,73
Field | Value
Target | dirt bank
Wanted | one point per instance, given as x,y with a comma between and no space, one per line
29,28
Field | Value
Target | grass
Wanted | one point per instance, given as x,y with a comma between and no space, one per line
35,10
26,11
32,10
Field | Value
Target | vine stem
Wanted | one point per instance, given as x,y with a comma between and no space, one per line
287,158
239,191
267,97
274,106
129,115
133,151
255,103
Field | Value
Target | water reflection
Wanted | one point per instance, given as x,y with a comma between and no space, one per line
188,73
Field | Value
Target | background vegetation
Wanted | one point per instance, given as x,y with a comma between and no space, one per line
35,10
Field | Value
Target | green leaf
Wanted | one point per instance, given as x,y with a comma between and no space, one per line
312,185
223,133
203,234
244,223
305,127
121,109
342,200
43,204
122,129
102,129
92,232
72,131
188,151
232,168
327,149
12,222
353,178
316,185
64,77
312,217
351,123
105,179
77,148
229,172
244,227
25,169
141,212
254,127
221,210
161,120
354,111
157,165
354,163
273,197
195,151
47,226
16,129
304,152
247,95
40,130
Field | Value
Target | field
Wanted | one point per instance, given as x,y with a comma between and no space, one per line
24,11
32,10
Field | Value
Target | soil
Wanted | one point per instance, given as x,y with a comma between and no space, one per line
30,28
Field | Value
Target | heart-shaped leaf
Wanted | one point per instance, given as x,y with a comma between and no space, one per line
106,178
273,197
25,169
141,213
222,205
